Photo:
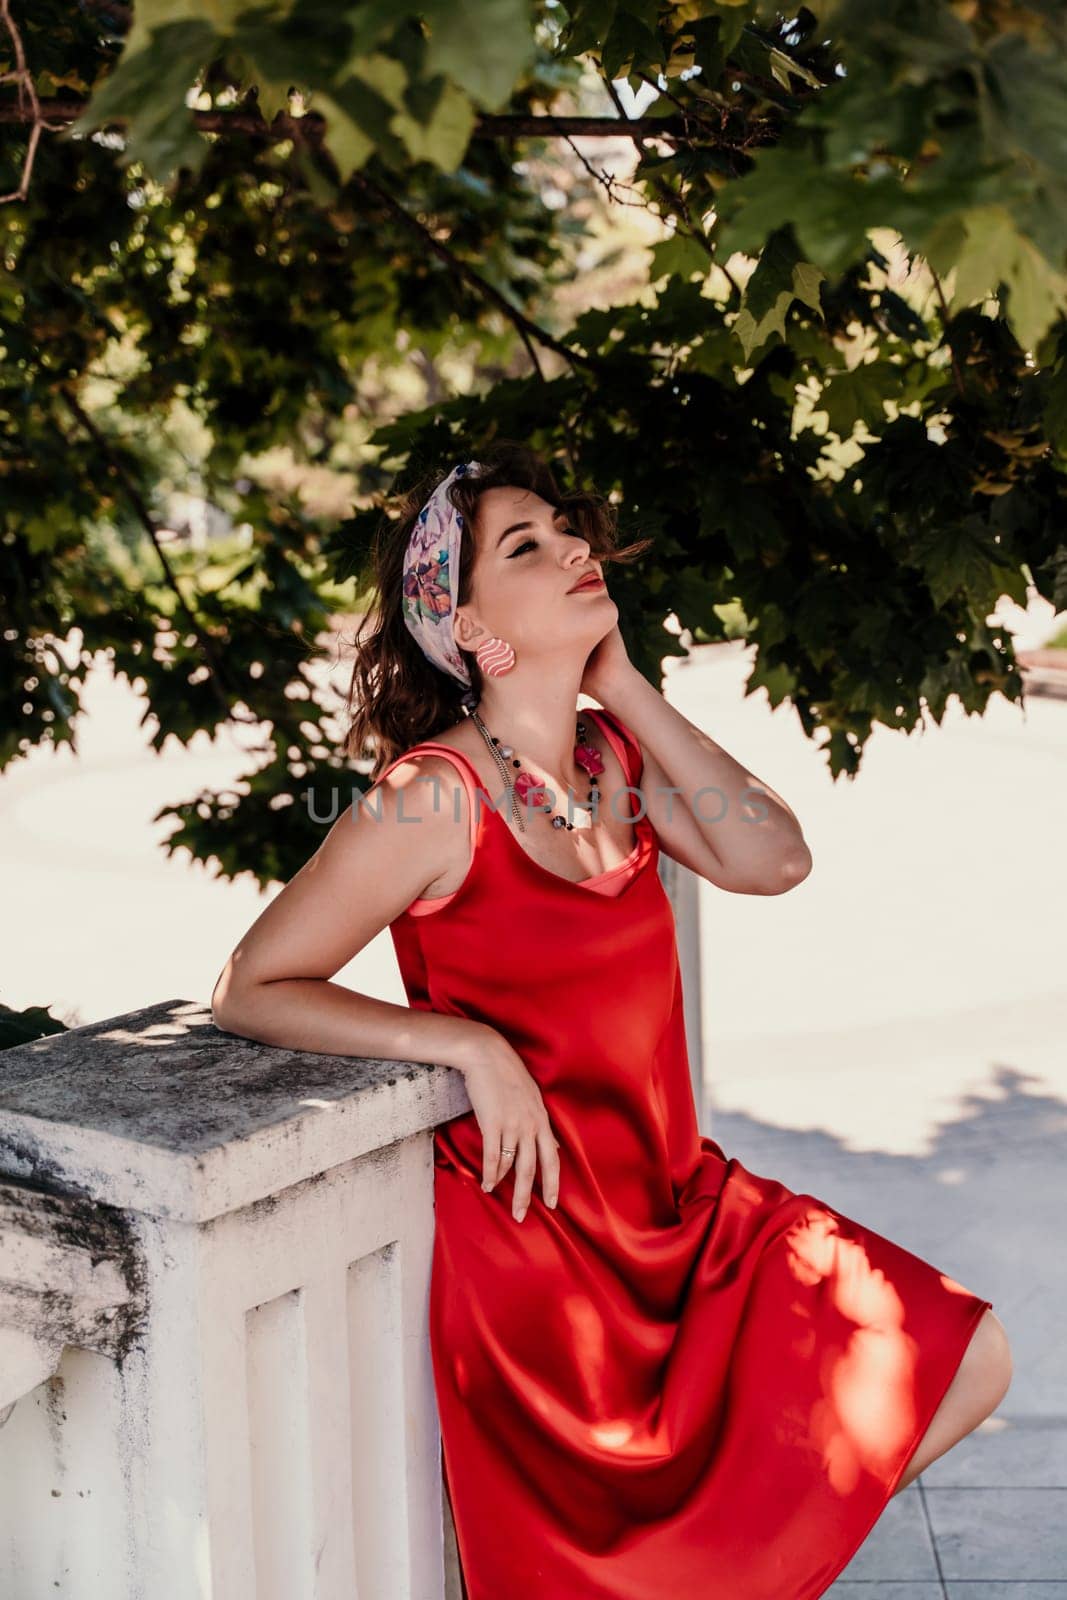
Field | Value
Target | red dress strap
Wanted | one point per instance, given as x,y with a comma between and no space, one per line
625,744
467,770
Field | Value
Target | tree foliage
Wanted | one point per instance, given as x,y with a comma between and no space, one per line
356,231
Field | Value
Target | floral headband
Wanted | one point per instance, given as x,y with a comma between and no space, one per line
431,578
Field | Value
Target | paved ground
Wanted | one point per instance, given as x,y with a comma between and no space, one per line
890,1036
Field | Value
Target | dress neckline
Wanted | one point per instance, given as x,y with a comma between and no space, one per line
641,827
574,883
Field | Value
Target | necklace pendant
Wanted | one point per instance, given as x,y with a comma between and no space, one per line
589,758
530,790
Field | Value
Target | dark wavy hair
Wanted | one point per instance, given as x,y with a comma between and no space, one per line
397,696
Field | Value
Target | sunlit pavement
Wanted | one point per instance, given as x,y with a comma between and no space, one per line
890,1036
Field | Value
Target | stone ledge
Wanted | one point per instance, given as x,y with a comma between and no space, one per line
160,1112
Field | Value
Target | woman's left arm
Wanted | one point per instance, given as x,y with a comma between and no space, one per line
710,812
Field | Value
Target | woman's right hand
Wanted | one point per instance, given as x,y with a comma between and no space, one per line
510,1112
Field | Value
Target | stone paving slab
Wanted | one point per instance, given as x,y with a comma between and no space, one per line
1006,1452
1004,1591
879,1589
986,1534
899,1546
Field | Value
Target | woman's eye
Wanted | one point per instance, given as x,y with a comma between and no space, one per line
531,544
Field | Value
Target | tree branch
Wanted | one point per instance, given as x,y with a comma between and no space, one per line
214,666
309,128
527,328
28,107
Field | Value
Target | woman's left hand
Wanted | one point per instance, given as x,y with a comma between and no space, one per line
607,668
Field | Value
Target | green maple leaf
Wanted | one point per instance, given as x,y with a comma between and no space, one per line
443,138
995,252
147,91
483,46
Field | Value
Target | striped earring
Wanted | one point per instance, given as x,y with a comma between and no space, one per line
495,657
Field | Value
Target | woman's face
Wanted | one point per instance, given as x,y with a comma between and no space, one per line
528,559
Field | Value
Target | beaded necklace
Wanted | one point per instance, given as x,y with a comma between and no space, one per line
527,790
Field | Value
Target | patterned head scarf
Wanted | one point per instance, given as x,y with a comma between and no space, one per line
431,579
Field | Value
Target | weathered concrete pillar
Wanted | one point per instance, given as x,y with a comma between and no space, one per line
215,1378
683,890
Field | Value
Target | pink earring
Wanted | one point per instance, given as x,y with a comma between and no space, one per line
495,657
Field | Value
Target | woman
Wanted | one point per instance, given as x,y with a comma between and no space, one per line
657,1373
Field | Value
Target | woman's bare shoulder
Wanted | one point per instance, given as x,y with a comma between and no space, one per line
427,789
410,769
421,786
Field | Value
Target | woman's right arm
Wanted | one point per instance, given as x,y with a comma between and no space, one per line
275,986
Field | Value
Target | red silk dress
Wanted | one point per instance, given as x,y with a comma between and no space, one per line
687,1380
